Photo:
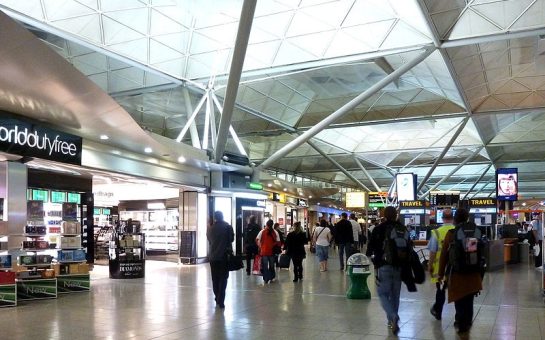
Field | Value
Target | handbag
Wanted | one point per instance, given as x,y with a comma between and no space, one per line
312,247
284,261
276,249
256,267
234,262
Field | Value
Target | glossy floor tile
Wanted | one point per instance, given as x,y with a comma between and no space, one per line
176,302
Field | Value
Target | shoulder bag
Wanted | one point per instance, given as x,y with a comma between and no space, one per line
312,247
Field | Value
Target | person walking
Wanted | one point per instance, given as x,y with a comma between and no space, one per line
435,247
356,230
321,238
266,240
251,248
294,246
537,230
344,237
277,228
388,278
462,285
220,236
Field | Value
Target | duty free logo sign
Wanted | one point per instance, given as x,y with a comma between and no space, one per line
27,139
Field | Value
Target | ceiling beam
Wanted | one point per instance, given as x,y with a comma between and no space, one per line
144,90
477,181
307,135
526,33
443,153
468,158
334,162
195,141
367,174
235,71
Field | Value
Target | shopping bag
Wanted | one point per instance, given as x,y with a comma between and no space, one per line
256,267
284,261
234,262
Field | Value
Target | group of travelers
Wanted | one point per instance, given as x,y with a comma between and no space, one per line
456,261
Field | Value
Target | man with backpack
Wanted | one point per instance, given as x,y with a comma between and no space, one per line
390,249
462,261
435,246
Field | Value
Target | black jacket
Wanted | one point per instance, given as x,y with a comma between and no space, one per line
250,235
375,248
220,235
295,244
343,232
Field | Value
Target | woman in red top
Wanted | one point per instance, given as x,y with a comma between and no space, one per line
266,240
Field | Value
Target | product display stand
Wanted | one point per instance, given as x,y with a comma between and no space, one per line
72,269
8,288
127,252
35,278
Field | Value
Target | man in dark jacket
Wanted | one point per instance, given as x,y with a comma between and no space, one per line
249,241
344,237
388,276
220,235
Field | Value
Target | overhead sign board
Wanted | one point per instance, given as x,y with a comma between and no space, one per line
377,199
28,139
355,199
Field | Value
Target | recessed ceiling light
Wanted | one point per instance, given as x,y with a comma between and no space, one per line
181,159
148,150
269,185
285,189
523,204
104,137
310,196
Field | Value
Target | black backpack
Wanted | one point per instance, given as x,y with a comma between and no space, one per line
466,251
397,246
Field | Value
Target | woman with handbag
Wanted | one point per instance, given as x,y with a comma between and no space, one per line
267,239
295,249
321,239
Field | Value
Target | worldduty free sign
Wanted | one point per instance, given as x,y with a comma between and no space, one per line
28,139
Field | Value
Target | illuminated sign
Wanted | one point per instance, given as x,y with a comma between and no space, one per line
482,202
507,184
355,199
302,202
28,139
406,187
254,186
413,204
377,199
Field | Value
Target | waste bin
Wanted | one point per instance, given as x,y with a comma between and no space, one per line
358,268
524,252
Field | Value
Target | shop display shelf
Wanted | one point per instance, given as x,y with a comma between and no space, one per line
62,234
36,265
67,262
69,248
31,235
33,249
6,269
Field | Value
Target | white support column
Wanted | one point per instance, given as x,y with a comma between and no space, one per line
477,182
210,109
468,158
443,153
195,141
235,71
232,131
206,130
367,174
191,119
340,167
484,186
307,135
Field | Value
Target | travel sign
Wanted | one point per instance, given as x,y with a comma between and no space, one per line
28,139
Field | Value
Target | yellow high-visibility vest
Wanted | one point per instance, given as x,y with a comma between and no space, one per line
440,234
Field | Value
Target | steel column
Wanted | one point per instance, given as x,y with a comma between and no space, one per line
468,158
235,71
191,119
307,135
484,186
477,182
367,174
334,162
195,141
234,135
443,153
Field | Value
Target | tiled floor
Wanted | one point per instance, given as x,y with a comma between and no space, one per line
176,302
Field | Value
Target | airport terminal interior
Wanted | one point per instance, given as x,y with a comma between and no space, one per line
125,124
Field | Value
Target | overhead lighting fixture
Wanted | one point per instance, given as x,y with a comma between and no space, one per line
310,196
523,204
285,189
269,185
104,137
181,159
156,206
148,150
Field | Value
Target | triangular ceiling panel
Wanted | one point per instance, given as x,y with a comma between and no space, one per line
137,19
136,49
177,41
502,13
471,24
88,27
404,35
369,11
372,34
115,32
160,53
57,10
162,24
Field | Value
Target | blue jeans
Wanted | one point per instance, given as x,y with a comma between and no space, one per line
267,268
389,287
342,248
322,252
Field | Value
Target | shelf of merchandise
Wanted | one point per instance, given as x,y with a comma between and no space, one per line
130,268
159,226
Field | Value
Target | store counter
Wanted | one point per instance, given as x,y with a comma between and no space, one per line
511,251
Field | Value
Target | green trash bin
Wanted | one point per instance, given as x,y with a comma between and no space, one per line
358,268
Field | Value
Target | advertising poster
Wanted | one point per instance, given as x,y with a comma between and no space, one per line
406,187
507,184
